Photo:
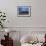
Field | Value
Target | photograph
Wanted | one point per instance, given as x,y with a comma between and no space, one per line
24,11
22,23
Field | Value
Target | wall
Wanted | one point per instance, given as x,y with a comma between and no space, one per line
38,13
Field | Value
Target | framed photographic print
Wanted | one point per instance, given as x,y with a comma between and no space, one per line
24,11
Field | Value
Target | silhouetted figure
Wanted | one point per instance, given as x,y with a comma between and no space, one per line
8,41
44,44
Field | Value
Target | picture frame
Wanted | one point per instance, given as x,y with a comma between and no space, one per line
23,11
